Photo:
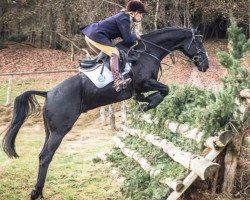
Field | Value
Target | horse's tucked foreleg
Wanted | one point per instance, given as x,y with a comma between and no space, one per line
156,98
140,97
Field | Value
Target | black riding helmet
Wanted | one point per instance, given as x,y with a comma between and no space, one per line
135,6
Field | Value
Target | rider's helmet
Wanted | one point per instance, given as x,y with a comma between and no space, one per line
136,6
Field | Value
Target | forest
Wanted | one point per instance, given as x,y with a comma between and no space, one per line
41,22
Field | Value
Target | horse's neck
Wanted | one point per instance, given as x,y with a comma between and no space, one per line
170,39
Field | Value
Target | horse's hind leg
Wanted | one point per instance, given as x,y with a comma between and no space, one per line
45,158
56,126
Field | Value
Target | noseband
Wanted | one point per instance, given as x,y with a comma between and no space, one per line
195,59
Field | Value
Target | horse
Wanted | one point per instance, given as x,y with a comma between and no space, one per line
77,94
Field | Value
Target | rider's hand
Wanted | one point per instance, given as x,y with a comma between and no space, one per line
138,36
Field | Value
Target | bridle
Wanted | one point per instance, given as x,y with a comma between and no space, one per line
195,59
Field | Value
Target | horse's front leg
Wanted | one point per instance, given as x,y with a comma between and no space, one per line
155,98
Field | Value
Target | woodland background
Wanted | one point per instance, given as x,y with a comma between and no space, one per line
40,21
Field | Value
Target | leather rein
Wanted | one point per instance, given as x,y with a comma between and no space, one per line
194,60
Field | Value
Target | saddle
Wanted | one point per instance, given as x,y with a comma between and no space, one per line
86,64
126,56
99,72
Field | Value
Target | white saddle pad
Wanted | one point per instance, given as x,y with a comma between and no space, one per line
102,78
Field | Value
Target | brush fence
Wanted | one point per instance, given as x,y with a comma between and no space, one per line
198,166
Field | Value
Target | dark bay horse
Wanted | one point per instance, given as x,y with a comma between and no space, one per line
76,95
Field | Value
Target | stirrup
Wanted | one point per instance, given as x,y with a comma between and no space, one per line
126,82
123,84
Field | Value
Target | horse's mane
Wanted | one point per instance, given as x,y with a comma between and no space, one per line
171,31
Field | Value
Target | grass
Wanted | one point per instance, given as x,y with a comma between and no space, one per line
72,174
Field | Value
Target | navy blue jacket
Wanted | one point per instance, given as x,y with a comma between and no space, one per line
103,32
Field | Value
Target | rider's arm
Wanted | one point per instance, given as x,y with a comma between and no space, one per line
124,27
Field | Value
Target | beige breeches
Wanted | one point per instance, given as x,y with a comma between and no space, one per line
97,47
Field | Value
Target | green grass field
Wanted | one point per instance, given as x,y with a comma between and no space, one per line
72,174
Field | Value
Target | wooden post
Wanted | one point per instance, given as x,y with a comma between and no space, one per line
234,149
103,115
124,113
112,117
9,90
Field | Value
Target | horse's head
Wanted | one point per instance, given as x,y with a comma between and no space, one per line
193,48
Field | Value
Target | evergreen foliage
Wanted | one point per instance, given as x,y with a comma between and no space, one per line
238,76
209,111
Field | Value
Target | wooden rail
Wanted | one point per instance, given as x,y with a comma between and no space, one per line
11,74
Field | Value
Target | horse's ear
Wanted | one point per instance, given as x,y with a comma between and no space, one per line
197,29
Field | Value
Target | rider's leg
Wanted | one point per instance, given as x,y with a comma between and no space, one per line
114,65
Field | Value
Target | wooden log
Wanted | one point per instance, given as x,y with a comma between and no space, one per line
193,176
184,130
219,140
186,182
245,93
176,185
246,142
203,167
194,134
147,118
146,165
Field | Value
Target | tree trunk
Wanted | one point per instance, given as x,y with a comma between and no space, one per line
156,14
52,43
41,39
72,57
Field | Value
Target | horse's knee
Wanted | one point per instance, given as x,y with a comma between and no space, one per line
140,97
164,92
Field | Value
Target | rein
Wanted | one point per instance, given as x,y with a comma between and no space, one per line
193,60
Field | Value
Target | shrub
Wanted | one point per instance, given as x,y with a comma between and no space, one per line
17,38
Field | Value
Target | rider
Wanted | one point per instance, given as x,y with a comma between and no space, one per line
98,36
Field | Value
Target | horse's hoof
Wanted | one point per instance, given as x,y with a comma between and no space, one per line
143,107
35,195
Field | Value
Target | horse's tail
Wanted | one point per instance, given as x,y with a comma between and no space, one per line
24,105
